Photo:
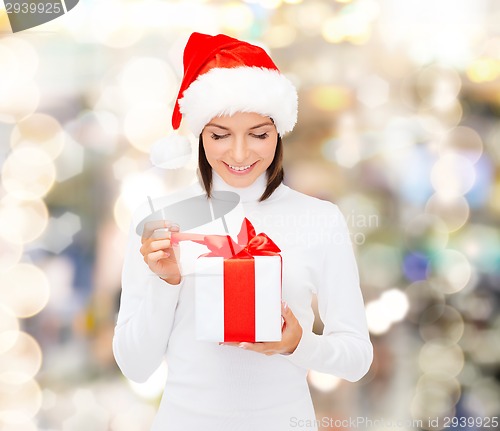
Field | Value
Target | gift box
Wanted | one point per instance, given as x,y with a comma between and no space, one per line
238,289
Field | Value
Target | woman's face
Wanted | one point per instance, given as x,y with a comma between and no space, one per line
241,147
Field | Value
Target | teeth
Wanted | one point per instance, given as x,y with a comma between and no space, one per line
239,168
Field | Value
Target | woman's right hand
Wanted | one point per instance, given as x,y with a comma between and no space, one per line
158,252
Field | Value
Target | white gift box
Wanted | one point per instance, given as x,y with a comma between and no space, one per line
238,299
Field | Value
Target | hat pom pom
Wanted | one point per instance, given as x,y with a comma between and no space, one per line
172,152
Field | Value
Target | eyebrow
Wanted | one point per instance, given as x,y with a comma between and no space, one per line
267,123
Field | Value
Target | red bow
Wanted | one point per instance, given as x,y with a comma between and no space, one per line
249,244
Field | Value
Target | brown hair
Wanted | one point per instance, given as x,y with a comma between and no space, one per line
274,172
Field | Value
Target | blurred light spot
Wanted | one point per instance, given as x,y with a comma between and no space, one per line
9,329
440,383
41,131
453,211
146,123
481,245
486,349
134,418
236,17
441,323
70,162
494,201
390,308
408,166
98,129
49,399
483,70
438,87
352,23
28,425
22,361
380,265
153,387
432,402
60,232
330,97
415,266
22,221
333,30
484,396
8,67
491,139
443,358
114,24
346,149
19,96
323,382
25,62
10,253
270,4
478,307
122,214
60,272
469,374
28,173
421,295
18,100
147,80
361,212
479,193
124,166
451,271
373,91
452,175
309,16
425,233
19,403
464,141
24,289
397,302
280,36
89,415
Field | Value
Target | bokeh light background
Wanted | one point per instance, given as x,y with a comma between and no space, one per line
399,106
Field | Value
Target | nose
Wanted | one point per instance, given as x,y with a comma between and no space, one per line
239,149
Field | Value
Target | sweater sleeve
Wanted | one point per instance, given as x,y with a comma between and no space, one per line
344,349
145,317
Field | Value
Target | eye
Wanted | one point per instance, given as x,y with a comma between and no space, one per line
261,136
216,137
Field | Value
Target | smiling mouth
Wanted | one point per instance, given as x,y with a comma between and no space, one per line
242,168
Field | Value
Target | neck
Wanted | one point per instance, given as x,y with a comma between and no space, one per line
251,193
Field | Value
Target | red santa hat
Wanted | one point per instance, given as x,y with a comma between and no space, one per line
222,76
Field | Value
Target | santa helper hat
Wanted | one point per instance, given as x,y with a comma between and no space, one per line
222,76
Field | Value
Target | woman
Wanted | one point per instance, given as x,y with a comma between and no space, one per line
234,98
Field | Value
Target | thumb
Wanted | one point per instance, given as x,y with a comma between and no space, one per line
285,310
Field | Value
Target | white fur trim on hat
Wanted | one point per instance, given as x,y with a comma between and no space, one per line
171,152
225,91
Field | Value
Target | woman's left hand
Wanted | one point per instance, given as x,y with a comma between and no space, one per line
291,333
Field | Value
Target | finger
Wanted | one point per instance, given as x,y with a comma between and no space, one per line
286,313
151,226
228,343
153,258
261,347
150,246
161,244
163,226
160,234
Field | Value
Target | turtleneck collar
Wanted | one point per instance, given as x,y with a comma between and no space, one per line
250,194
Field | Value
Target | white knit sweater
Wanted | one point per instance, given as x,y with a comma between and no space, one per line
224,388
